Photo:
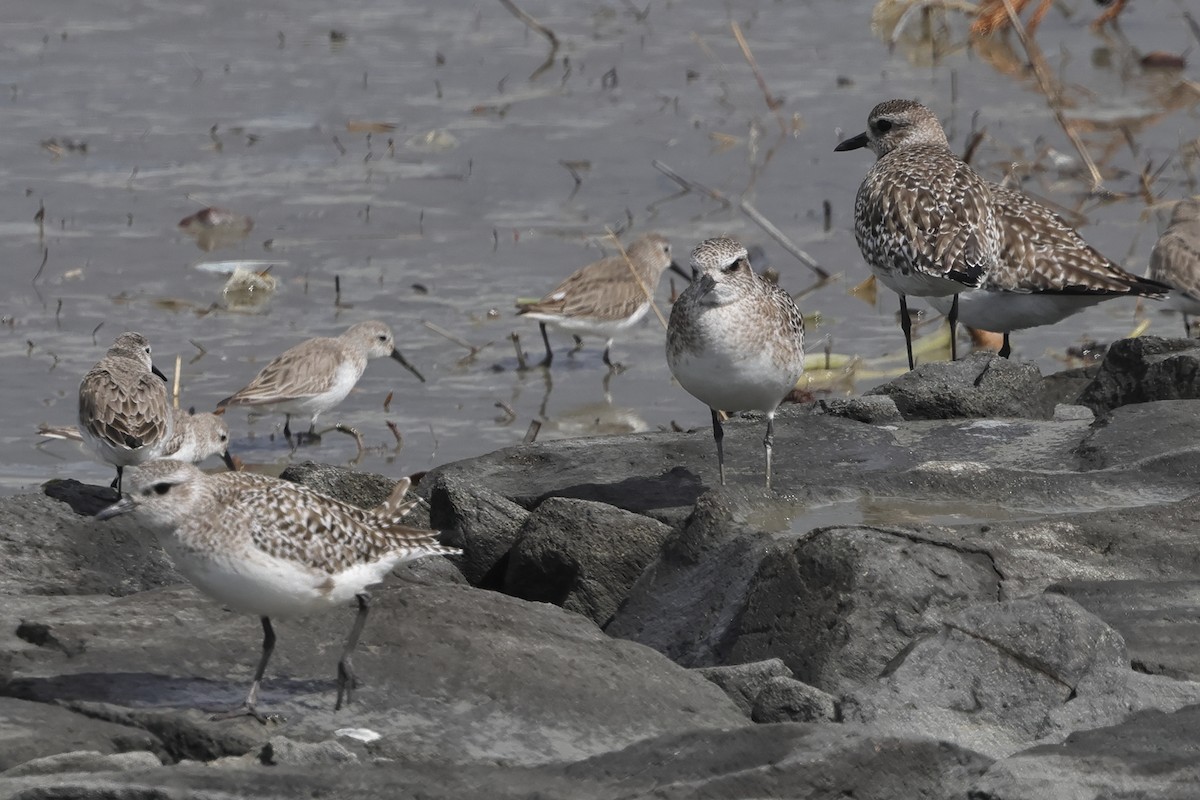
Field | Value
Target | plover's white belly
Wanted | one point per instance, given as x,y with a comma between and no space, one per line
1000,311
732,380
591,326
345,377
919,284
118,455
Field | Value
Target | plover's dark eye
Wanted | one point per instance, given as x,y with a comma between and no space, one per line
161,488
883,125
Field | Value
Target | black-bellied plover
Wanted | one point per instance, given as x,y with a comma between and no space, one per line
1175,260
195,437
317,374
923,218
735,341
274,549
606,297
124,414
1046,273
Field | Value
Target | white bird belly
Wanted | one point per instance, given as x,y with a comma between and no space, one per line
1013,311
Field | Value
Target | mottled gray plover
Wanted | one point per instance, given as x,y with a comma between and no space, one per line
317,374
274,549
1046,273
735,341
1175,260
607,296
923,218
195,437
124,415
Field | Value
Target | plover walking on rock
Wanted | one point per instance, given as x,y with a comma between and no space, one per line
195,437
317,374
124,415
1046,273
735,341
1175,260
605,297
274,549
924,220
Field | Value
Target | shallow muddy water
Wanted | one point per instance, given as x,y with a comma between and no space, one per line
121,118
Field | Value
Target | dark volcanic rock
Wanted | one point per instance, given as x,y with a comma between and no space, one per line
787,760
363,489
450,672
788,700
1144,369
582,556
31,731
1149,755
980,385
481,522
46,547
743,682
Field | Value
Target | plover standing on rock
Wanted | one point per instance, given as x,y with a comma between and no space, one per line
317,374
274,549
924,220
607,296
735,341
124,414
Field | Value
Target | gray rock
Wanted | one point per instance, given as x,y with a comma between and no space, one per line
875,409
84,761
1119,439
787,760
1159,620
282,750
50,548
743,682
581,555
481,522
451,673
32,731
980,385
362,489
1144,369
1000,677
784,699
1149,755
839,604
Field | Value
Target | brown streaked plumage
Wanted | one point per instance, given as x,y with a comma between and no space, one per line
607,296
268,547
1047,272
924,220
317,374
1175,260
735,341
124,414
195,437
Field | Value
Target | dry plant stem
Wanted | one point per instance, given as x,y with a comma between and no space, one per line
537,27
773,103
458,340
637,278
1052,99
751,212
516,340
531,434
175,385
358,437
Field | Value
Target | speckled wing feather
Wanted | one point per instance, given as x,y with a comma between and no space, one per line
293,522
1041,252
603,290
130,416
306,370
932,212
1176,258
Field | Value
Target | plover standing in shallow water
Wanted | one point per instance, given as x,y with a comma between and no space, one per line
1046,273
274,549
605,297
195,437
735,341
924,220
316,375
1175,260
124,415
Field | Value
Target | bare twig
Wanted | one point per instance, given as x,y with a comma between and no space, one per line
536,27
1052,97
395,429
532,432
773,103
516,340
689,185
358,439
175,384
